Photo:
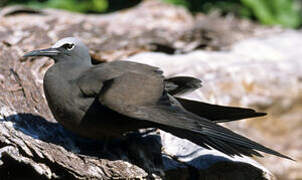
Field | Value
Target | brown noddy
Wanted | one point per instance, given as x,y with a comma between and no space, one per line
111,99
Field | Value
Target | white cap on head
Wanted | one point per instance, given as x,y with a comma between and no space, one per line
78,48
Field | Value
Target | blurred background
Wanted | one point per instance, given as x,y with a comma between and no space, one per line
286,13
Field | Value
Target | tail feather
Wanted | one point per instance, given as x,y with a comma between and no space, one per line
218,113
242,141
230,146
206,133
201,131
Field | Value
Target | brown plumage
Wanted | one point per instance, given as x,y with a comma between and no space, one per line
111,99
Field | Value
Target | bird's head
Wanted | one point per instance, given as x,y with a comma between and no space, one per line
67,49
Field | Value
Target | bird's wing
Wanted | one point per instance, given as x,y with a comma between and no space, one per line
140,94
131,90
181,84
217,113
91,81
143,97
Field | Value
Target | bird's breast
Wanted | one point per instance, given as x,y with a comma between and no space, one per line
61,97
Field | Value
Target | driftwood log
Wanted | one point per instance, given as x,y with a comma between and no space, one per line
33,145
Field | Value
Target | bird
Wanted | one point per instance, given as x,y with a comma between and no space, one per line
108,100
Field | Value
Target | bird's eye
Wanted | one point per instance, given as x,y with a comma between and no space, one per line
68,46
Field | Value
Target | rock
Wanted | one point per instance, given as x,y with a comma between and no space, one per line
33,145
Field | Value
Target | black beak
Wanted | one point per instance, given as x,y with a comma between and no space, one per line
43,52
